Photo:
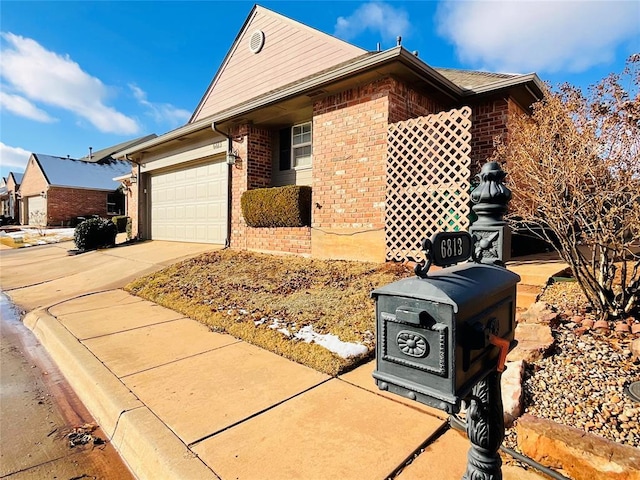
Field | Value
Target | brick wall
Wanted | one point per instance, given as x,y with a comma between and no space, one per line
132,208
405,103
349,152
291,240
64,204
253,170
488,120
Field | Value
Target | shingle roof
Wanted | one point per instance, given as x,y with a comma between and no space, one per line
106,154
472,79
17,177
69,172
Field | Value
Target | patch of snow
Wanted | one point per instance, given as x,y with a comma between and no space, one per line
285,332
259,322
331,342
242,311
275,323
51,235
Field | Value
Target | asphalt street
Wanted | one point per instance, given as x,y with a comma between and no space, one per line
38,412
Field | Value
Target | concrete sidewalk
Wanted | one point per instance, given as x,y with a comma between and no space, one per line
181,402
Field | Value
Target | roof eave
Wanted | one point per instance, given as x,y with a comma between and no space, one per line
362,65
78,187
359,65
167,137
522,80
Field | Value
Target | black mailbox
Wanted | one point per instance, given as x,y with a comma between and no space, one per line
436,335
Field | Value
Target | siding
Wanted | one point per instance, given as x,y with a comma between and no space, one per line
291,52
33,181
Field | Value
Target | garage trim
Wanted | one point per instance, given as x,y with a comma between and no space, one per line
189,203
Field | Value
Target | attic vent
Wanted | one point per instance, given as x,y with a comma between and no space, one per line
257,41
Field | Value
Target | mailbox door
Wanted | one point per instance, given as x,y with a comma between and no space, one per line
414,349
475,357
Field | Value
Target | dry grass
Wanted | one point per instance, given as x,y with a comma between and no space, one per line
230,291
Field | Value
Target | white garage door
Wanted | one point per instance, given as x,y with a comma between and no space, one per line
190,204
37,210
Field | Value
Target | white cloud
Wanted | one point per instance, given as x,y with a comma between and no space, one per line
13,157
379,17
543,36
44,76
162,113
24,108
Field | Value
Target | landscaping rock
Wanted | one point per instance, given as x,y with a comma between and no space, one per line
538,312
512,392
588,323
533,341
622,327
581,455
635,348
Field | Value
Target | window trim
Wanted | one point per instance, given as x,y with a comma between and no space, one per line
115,204
292,147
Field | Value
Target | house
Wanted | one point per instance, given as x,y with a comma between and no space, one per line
8,201
56,190
388,144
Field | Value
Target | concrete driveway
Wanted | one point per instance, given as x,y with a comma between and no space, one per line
46,275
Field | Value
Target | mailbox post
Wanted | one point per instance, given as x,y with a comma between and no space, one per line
443,337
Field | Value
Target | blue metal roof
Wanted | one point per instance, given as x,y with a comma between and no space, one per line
17,177
69,172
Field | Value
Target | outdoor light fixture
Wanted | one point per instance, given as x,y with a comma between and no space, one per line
232,157
134,179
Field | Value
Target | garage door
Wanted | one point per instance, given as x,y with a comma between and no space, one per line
37,210
190,204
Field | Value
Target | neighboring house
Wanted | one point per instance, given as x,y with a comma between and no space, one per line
56,191
8,199
387,143
4,197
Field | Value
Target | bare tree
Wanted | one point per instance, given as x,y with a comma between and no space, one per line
574,169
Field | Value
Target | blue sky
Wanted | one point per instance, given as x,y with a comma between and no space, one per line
75,75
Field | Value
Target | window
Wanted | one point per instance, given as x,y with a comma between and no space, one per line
295,146
115,203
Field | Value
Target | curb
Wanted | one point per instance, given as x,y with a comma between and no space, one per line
149,448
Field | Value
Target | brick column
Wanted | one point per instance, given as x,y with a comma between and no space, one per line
252,170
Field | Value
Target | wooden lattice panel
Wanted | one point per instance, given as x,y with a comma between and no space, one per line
428,172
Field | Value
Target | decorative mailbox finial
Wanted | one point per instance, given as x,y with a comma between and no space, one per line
491,196
491,235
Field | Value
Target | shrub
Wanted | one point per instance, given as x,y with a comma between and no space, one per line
121,222
95,233
575,170
288,206
129,228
